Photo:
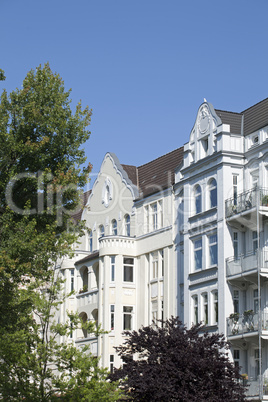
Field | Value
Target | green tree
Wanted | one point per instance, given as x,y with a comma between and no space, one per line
40,171
41,155
34,365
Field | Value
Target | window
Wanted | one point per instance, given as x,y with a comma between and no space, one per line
198,254
155,265
114,227
111,363
154,216
205,308
215,307
101,231
255,241
236,357
147,219
195,309
236,301
213,193
72,279
235,189
198,199
213,249
128,269
255,301
257,362
112,317
90,241
127,318
162,262
162,312
205,146
235,243
127,225
154,311
112,268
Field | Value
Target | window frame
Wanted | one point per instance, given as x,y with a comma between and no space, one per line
112,268
90,240
213,193
127,225
212,246
130,315
114,227
128,265
196,252
198,199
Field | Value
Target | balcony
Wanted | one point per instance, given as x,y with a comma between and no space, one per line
242,209
247,264
86,298
246,324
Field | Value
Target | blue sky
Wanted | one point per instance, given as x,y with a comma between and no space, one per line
143,66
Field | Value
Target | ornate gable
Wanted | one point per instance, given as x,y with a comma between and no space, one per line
202,138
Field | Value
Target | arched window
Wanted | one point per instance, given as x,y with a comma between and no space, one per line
127,225
198,199
213,193
90,241
114,227
101,231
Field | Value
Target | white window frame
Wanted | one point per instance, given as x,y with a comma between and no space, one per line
213,193
197,199
114,227
72,279
153,216
128,265
112,317
128,313
127,225
197,250
215,307
90,240
112,266
211,247
195,309
205,310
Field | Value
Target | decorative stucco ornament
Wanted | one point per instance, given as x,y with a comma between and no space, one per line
107,192
204,119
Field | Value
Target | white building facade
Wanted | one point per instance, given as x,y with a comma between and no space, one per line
221,194
185,234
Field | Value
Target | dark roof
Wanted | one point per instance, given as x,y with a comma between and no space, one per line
132,173
232,118
256,117
159,174
89,257
78,215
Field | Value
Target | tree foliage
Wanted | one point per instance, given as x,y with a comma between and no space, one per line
40,161
41,141
172,363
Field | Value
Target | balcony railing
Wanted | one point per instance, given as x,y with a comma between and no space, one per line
245,201
247,262
90,297
245,323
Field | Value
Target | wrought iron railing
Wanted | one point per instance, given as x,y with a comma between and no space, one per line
245,201
239,324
